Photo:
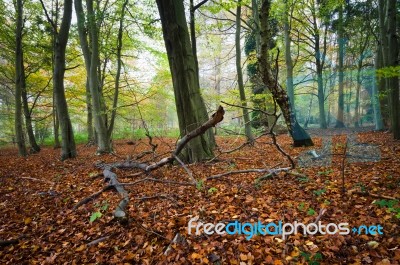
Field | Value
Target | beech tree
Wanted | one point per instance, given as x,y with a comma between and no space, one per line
299,135
190,106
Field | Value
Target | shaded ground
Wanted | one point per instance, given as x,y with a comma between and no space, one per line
37,195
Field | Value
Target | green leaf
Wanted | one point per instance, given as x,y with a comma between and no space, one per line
310,211
95,216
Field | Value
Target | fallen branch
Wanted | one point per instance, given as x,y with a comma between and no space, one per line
4,243
111,177
91,197
256,170
96,241
35,179
192,179
373,195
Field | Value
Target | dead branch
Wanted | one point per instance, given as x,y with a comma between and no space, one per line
254,170
192,179
91,197
373,195
96,241
35,179
111,177
159,181
4,243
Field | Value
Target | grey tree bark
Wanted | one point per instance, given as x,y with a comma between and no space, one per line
299,135
35,148
340,114
82,31
190,106
118,74
19,77
68,149
288,58
99,112
393,54
242,94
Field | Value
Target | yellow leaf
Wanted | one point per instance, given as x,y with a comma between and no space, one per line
27,220
81,248
243,257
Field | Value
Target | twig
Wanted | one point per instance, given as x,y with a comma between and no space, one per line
96,241
160,181
343,165
193,180
42,180
91,197
256,170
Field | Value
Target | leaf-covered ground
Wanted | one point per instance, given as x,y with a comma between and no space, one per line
37,195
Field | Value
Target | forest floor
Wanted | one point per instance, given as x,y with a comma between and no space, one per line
38,193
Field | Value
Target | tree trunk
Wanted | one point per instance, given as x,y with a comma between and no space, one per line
100,119
35,148
118,74
375,96
190,106
288,58
242,94
82,31
299,135
383,62
393,62
68,149
319,68
340,114
19,66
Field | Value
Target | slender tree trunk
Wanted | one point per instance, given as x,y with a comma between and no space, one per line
320,82
357,105
82,31
68,149
118,74
190,106
35,148
393,62
19,66
340,114
256,19
242,94
379,125
383,62
288,58
299,135
99,116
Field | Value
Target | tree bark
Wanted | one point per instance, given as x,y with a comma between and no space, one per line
288,58
383,62
35,148
393,54
68,149
242,94
19,66
82,31
190,106
118,74
340,116
99,112
299,135
375,96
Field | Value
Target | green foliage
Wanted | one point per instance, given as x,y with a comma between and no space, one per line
301,206
311,211
312,259
212,190
200,185
319,192
102,207
303,179
325,173
392,205
95,216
